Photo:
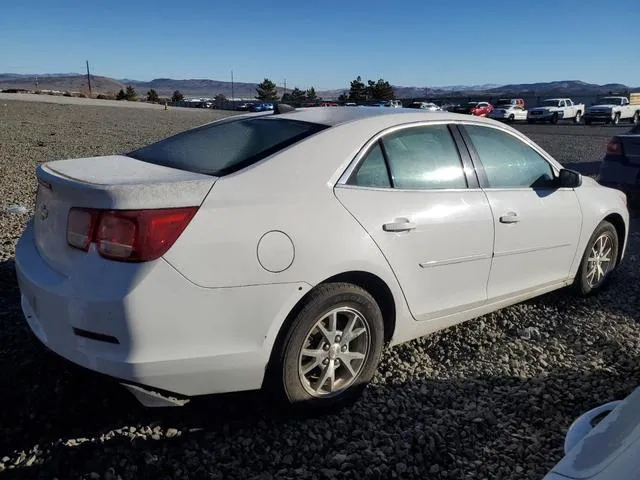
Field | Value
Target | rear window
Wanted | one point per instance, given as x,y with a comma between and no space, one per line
225,147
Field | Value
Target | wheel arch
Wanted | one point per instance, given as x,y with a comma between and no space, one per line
370,282
617,221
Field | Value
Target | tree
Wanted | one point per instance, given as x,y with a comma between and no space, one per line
311,95
121,95
152,96
130,93
219,98
380,90
298,96
358,92
266,91
177,96
286,98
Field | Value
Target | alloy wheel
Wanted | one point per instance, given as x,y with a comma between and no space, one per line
600,261
334,352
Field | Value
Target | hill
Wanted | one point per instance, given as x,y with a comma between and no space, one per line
197,88
61,82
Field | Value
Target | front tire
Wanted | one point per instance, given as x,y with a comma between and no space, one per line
599,260
331,350
616,119
554,118
635,119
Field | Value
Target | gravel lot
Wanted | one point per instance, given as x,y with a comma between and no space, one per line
474,401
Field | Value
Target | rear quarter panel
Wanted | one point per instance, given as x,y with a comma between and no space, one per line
292,193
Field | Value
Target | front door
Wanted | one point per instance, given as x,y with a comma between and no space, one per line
537,225
411,194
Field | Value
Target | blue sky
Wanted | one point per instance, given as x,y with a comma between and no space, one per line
326,44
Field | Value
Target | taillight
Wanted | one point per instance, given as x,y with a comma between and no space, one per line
80,224
614,147
127,235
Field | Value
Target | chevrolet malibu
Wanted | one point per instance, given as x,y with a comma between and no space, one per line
282,250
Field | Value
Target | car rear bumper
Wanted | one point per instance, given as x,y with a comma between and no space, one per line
620,175
159,330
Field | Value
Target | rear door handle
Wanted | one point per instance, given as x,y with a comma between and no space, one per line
511,217
399,225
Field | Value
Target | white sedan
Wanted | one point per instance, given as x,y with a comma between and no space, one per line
284,249
509,113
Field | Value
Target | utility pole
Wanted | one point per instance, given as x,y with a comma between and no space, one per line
232,93
88,78
285,86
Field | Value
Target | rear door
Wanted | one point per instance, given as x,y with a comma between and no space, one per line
417,196
537,225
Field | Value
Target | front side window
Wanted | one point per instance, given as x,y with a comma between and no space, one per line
508,161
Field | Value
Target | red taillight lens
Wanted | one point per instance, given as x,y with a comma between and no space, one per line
80,224
129,235
614,147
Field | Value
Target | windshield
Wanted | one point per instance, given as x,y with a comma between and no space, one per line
224,147
550,103
609,101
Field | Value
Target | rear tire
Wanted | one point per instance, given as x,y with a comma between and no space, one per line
578,117
599,261
635,119
339,323
511,118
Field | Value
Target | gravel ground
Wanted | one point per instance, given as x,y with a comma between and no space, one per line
474,401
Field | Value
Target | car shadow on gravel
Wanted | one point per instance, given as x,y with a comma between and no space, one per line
58,420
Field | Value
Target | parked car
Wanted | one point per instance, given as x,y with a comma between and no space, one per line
201,263
603,443
620,167
612,110
261,107
510,102
243,107
554,109
430,107
393,103
329,104
479,109
509,113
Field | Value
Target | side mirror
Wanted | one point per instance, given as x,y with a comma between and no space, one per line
569,178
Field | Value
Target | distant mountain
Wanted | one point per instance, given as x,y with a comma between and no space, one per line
566,87
62,82
199,88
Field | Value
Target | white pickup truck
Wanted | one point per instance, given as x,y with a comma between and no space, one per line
554,109
612,110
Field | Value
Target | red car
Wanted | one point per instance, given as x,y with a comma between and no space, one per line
479,109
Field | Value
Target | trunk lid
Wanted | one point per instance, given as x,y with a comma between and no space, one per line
111,182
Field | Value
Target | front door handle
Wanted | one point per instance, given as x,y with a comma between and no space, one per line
399,225
511,217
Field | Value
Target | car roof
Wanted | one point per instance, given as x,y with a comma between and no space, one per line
332,116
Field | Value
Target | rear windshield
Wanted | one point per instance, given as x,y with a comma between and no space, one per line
224,147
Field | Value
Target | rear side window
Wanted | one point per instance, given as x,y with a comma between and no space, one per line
224,147
373,170
419,158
